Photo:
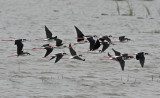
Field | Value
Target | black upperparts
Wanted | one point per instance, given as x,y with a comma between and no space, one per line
19,46
48,33
49,50
123,38
58,42
141,58
72,51
80,35
116,52
122,62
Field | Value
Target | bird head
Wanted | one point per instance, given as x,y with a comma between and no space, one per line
146,53
64,53
80,55
110,36
18,41
24,40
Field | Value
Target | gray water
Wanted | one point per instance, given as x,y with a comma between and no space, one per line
36,77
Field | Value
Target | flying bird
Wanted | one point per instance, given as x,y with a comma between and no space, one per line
58,56
141,58
125,56
59,44
20,47
74,54
123,39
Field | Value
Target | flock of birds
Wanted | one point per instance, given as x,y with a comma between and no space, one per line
95,43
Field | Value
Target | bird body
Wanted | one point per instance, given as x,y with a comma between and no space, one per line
123,39
141,58
58,56
74,54
20,48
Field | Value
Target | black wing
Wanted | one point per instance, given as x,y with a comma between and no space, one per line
96,45
109,55
141,58
58,42
48,32
92,42
49,50
19,46
122,62
116,52
80,35
78,58
45,45
72,51
105,46
107,38
59,56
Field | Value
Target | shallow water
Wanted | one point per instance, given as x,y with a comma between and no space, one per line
35,77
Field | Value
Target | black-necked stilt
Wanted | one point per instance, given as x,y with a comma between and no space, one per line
74,54
59,44
125,56
58,56
123,39
94,45
20,47
141,58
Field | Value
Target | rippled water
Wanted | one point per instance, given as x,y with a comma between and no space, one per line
36,77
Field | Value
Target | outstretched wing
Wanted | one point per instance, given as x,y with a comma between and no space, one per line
116,52
78,58
80,35
45,45
107,38
109,55
105,46
49,50
19,46
48,32
92,42
96,45
59,56
141,58
122,62
72,51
